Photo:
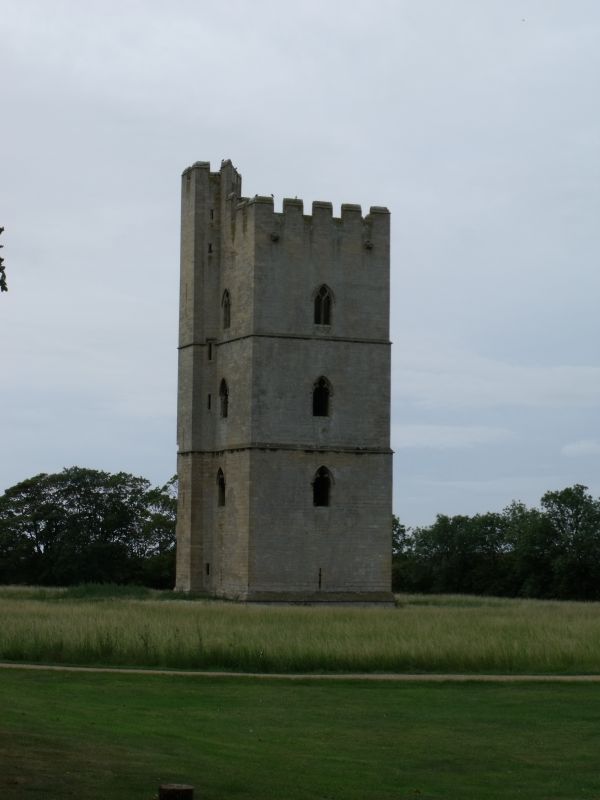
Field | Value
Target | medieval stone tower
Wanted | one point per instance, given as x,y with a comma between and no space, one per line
284,397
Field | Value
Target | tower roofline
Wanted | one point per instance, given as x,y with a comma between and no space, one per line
290,204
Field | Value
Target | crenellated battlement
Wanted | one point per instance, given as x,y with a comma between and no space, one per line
293,206
288,228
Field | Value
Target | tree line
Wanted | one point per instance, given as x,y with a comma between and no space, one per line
547,552
84,525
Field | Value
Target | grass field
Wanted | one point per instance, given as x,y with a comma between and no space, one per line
109,737
136,627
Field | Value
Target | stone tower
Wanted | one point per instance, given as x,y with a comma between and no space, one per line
284,458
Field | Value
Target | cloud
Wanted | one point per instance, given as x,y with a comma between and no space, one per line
582,447
434,375
481,140
444,437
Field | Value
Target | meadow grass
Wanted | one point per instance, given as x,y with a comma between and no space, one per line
119,736
422,634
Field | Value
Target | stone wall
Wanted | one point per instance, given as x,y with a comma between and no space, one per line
347,543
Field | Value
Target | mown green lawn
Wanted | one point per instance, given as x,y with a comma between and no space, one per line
116,737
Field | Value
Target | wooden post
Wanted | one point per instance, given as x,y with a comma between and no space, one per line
175,791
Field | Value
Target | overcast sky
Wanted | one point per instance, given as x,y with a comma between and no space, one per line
477,122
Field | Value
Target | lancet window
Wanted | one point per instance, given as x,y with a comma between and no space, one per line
220,488
323,303
322,487
224,397
321,395
226,306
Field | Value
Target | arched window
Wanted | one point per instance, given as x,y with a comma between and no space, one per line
323,301
321,395
220,488
322,487
224,395
226,304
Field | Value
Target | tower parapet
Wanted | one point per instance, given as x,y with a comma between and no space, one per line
294,206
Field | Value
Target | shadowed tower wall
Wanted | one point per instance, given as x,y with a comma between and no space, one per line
284,461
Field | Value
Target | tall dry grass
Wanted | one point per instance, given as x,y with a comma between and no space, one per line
423,634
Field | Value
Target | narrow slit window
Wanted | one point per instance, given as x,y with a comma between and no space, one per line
210,247
207,568
224,397
322,487
220,488
210,351
226,305
209,401
321,395
212,213
323,306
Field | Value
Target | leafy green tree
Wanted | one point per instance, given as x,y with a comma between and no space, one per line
29,522
550,552
83,525
158,561
460,554
402,557
574,516
400,537
532,549
488,550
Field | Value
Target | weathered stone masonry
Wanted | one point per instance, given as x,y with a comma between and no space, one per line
275,307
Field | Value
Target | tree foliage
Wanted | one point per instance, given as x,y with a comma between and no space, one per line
551,552
83,525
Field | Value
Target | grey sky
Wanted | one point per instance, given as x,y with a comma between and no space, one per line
477,123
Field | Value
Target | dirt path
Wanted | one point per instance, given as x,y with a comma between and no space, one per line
399,677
